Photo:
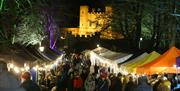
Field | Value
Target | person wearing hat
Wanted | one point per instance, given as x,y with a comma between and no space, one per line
103,82
27,83
8,81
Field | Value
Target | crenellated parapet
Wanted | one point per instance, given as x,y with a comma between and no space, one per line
89,22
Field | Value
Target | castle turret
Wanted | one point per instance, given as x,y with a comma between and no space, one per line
83,24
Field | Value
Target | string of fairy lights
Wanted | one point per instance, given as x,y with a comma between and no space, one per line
42,67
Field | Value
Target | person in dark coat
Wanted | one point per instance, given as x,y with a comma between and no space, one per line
130,85
143,85
103,82
116,84
102,85
96,68
62,79
28,84
8,81
155,86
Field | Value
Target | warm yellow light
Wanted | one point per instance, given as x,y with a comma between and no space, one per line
11,65
62,37
22,69
46,66
98,45
36,67
40,68
16,69
52,66
56,63
27,68
25,64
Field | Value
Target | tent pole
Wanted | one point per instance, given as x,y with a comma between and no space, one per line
177,73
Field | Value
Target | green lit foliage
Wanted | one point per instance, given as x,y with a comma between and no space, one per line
19,4
156,21
15,21
1,4
10,13
29,31
123,18
147,20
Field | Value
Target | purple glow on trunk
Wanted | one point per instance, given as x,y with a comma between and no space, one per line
51,38
51,29
53,46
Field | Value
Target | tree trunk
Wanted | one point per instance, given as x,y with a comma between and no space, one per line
138,18
174,26
154,35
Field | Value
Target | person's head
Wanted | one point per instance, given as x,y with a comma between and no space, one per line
163,78
3,66
131,79
103,73
26,76
142,79
119,74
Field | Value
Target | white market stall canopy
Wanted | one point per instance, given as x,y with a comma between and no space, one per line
117,57
108,57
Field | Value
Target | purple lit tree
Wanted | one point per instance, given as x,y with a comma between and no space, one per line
51,29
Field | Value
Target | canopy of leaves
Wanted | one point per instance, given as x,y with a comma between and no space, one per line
30,31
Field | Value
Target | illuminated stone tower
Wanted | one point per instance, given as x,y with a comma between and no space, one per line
88,23
83,22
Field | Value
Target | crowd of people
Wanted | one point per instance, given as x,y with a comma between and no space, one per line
78,74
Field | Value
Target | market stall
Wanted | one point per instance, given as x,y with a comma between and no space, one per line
108,58
166,63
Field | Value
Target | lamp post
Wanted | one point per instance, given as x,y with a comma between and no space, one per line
99,48
140,42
